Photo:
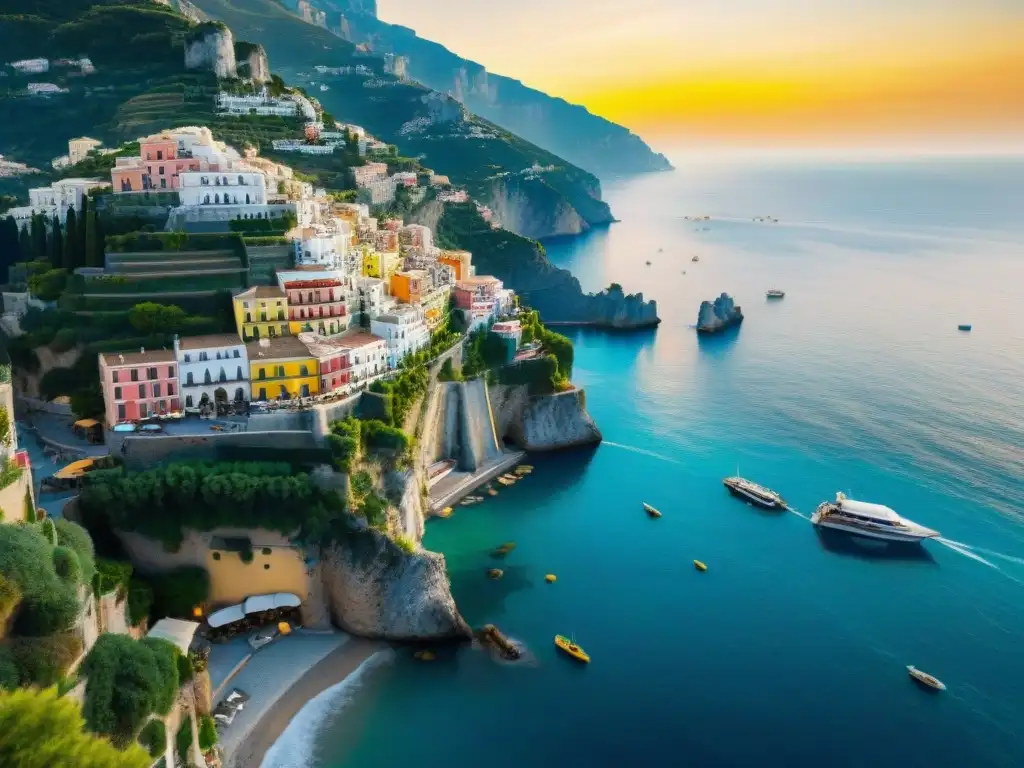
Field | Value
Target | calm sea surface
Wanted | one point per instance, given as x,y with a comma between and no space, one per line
791,649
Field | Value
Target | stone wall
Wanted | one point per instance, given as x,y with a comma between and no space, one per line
141,453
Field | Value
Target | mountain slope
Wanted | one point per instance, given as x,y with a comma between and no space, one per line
568,130
492,163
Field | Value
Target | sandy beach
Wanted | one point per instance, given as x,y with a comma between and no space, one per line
327,672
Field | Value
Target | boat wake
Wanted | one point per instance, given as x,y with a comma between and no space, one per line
642,451
798,513
296,745
965,550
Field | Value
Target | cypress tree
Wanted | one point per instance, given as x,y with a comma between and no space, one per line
38,224
55,243
93,253
71,255
25,241
80,223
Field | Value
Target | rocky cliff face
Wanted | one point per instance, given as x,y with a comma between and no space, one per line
252,62
719,314
545,423
518,209
377,590
211,47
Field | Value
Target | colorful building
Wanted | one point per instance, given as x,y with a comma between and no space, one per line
282,368
137,385
511,332
460,261
380,264
333,356
261,312
158,166
482,298
212,369
367,355
404,331
316,301
409,286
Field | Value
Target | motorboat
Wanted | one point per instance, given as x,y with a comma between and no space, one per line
569,646
695,258
964,327
754,493
700,566
874,521
651,511
775,293
925,679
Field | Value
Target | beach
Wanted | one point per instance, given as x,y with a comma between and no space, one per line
268,717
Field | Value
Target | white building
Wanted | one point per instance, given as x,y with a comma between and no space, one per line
44,89
261,103
231,188
404,330
323,247
31,66
369,295
368,355
300,146
405,178
212,367
416,236
453,196
57,199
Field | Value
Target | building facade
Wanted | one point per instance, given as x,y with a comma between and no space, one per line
316,302
404,331
158,165
460,261
282,369
237,188
367,355
55,200
212,369
261,313
138,385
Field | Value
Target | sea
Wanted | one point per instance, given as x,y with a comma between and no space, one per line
791,650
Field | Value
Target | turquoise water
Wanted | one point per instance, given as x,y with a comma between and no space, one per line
791,649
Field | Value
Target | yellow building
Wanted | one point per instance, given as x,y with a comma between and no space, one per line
261,312
381,265
282,369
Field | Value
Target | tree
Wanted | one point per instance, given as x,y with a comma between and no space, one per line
71,255
55,243
40,730
25,243
93,239
49,285
150,318
5,427
38,232
10,246
87,402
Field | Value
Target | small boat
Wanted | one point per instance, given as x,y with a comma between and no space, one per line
505,548
964,327
874,521
651,510
565,644
504,481
648,263
446,512
695,258
495,573
492,492
523,469
424,655
775,293
551,578
699,566
925,679
511,478
754,493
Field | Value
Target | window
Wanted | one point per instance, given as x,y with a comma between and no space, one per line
263,393
280,371
303,371
117,393
271,330
163,183
237,354
142,390
151,373
135,374
206,377
156,390
262,375
160,171
188,358
121,415
170,389
170,371
203,357
188,401
223,376
189,380
149,155
143,410
114,376
248,317
160,156
238,374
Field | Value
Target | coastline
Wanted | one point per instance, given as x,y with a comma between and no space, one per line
329,671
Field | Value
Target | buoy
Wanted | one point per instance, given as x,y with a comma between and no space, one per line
495,573
699,565
424,655
551,578
446,512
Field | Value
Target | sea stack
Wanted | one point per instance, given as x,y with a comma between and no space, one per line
718,315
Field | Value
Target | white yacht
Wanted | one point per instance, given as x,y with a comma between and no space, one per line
754,493
872,520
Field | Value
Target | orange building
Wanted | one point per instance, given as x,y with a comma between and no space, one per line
460,261
408,286
157,167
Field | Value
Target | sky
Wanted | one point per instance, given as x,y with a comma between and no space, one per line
748,71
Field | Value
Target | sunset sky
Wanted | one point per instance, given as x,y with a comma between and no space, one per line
789,71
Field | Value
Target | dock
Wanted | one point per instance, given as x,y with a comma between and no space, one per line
457,485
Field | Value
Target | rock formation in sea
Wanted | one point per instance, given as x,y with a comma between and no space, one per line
718,315
211,46
376,589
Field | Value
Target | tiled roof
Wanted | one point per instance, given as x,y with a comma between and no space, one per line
138,358
360,339
210,341
278,348
262,292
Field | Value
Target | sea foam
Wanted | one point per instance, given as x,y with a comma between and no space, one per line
295,746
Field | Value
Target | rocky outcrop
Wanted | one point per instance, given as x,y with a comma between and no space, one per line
546,422
613,308
718,315
376,589
524,208
252,62
211,47
408,487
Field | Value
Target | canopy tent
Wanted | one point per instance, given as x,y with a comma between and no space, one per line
74,469
254,604
86,423
177,631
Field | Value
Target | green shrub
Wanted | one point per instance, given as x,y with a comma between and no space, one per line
185,670
74,536
114,576
48,604
64,339
10,596
140,601
207,733
49,530
65,563
127,681
153,737
405,543
10,678
42,661
183,741
177,592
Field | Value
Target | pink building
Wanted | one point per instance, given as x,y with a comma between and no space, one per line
157,167
473,290
333,357
137,385
312,303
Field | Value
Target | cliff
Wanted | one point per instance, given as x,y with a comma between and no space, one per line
252,62
718,315
568,130
544,423
520,212
211,46
375,589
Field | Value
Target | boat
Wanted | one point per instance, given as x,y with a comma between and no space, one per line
523,469
565,644
648,263
775,293
695,258
964,327
495,573
505,548
754,493
439,471
551,578
699,566
925,679
651,510
504,481
446,512
874,521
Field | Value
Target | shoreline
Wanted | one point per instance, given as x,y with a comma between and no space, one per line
334,668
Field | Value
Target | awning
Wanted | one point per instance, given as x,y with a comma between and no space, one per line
253,604
224,616
74,470
177,631
86,423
